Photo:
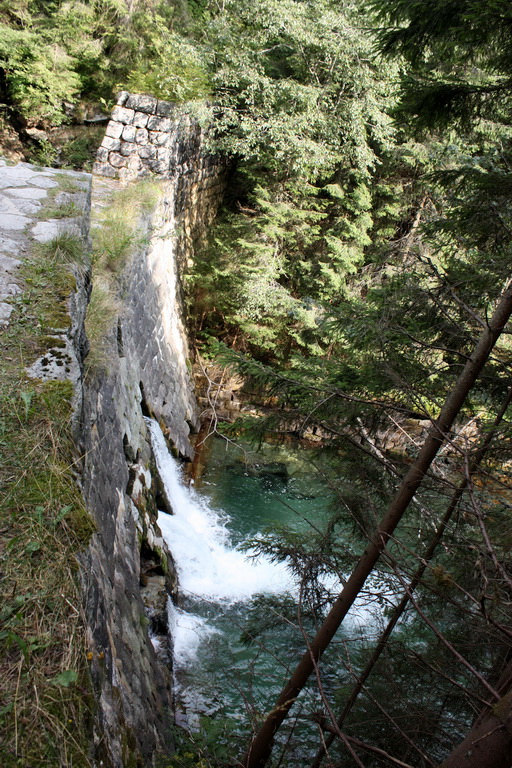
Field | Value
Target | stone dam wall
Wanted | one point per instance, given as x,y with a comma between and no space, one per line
127,571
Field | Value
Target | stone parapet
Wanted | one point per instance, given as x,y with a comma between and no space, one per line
147,136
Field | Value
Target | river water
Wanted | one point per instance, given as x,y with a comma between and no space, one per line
221,586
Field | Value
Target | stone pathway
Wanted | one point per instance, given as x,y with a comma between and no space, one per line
26,191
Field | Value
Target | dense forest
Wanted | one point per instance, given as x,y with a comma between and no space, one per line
358,278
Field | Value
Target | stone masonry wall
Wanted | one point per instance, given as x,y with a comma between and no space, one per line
147,135
127,572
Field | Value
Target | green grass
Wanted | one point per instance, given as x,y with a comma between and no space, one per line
116,233
45,697
67,184
63,211
51,210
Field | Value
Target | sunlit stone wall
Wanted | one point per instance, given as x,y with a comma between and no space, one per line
127,572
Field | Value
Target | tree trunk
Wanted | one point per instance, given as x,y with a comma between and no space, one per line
489,743
261,746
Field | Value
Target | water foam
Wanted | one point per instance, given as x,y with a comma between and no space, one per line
209,566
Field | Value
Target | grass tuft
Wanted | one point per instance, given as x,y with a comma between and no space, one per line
67,210
116,234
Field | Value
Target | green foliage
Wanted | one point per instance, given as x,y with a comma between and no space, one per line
296,86
302,107
80,152
357,255
52,54
212,745
170,67
39,75
460,57
430,248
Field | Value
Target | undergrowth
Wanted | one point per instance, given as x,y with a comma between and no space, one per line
215,744
45,694
117,231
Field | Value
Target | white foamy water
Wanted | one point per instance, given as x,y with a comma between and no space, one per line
209,566
187,631
212,570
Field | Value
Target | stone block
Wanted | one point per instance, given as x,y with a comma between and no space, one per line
102,154
128,148
142,136
114,130
111,144
158,139
44,231
140,120
159,166
13,221
44,182
147,153
122,98
5,312
127,174
142,103
165,108
129,132
123,115
116,160
159,124
104,169
163,154
27,193
134,162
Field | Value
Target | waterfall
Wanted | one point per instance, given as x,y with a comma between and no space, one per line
209,567
217,582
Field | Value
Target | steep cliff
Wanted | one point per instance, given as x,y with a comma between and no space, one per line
92,685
